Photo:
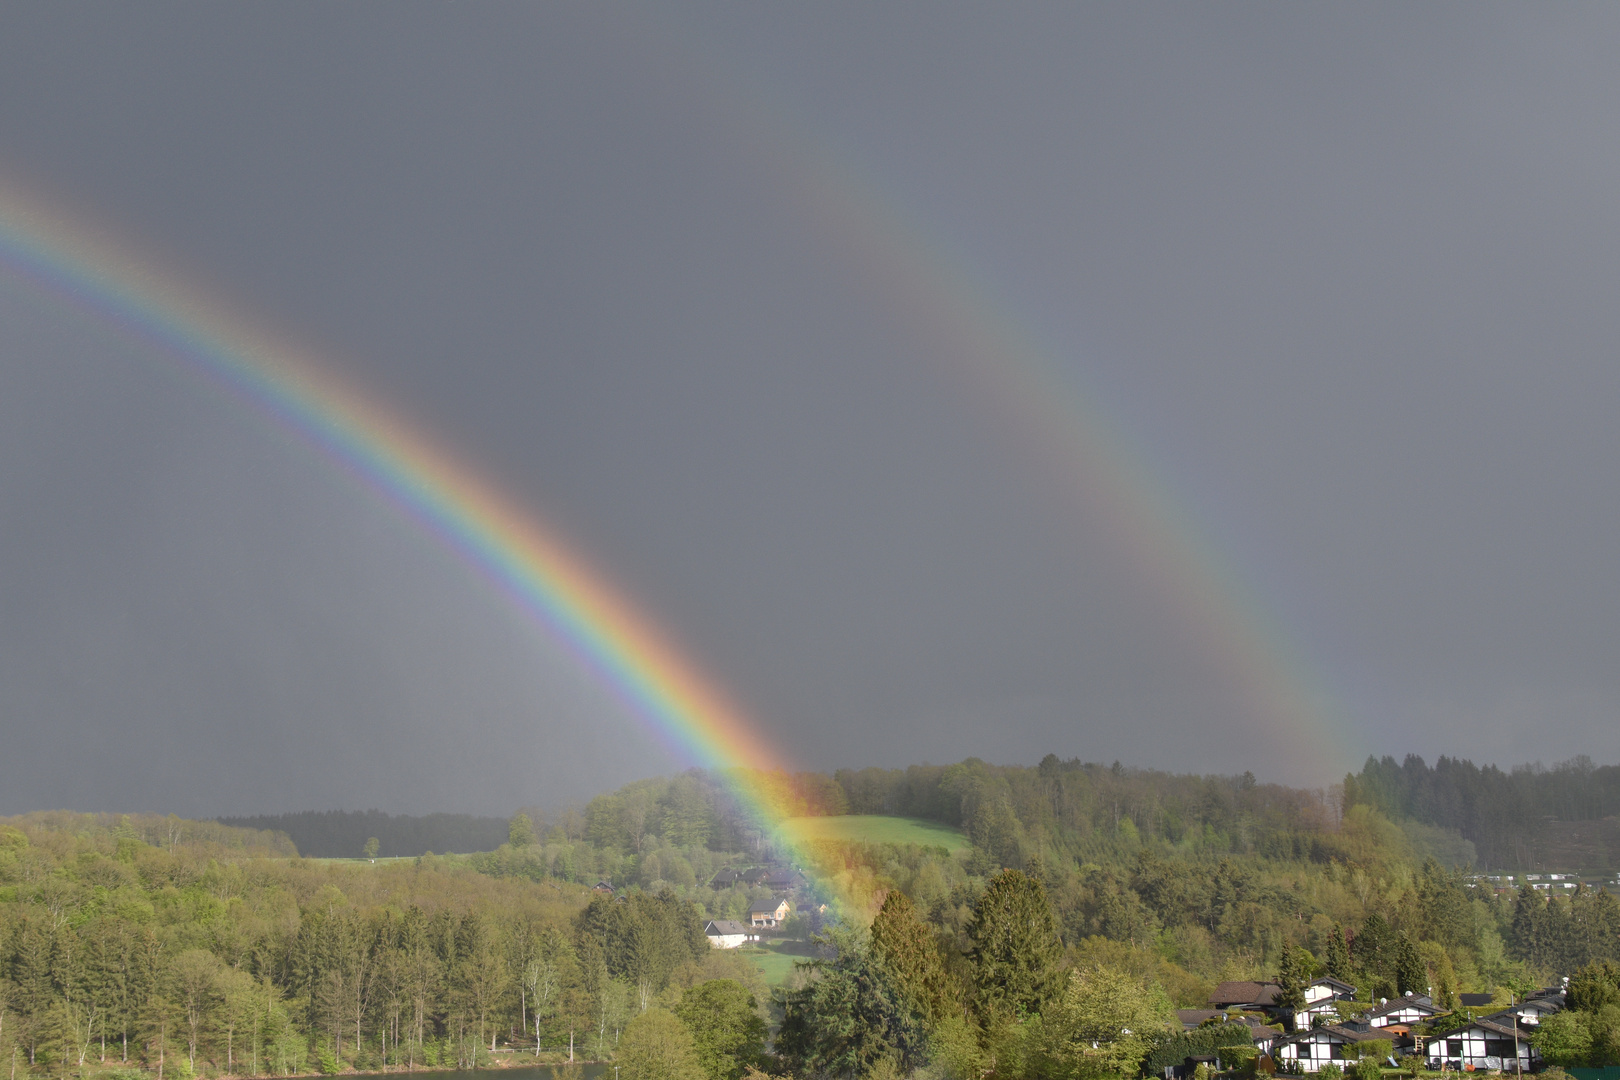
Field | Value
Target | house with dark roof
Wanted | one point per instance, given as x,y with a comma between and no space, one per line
1476,1001
1322,997
1407,1009
602,888
783,879
1484,1044
768,913
1262,1034
1531,1011
1308,1050
1244,995
725,879
728,933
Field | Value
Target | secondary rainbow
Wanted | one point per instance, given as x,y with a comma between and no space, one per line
529,562
927,285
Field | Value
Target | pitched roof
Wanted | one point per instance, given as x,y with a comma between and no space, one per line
1342,1032
765,907
1409,1001
1484,1025
1338,984
723,928
1244,993
1476,1001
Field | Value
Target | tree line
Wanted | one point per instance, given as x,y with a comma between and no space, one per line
1499,811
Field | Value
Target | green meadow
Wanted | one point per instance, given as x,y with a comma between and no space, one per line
775,960
877,829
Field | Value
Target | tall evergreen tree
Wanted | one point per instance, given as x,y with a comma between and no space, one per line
903,945
850,1020
1016,948
1338,955
1411,974
1290,994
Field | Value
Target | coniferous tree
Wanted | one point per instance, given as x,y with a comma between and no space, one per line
850,1019
1411,974
903,945
1290,995
1016,948
1338,955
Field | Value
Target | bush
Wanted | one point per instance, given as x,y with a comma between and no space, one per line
1376,1049
1366,1069
1330,1071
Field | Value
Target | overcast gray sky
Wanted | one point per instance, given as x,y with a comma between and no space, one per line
698,285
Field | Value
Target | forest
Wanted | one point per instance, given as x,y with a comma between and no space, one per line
1090,901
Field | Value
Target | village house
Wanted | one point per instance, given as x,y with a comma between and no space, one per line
727,933
1262,1035
783,879
1321,998
1321,1001
768,913
1531,1010
1484,1044
1308,1050
1406,1010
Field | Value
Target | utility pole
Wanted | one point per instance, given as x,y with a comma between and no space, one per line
1517,1067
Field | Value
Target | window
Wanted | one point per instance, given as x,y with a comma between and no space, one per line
1453,1048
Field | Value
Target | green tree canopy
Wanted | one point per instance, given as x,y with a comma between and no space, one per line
728,1033
1016,946
904,946
657,1046
1102,1025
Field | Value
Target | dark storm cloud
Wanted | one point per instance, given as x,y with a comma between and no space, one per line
1346,276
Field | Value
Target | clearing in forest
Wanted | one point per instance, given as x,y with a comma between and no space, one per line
876,829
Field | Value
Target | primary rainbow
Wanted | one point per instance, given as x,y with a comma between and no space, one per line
530,563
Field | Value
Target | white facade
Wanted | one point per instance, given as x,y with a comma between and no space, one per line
1481,1046
1309,1052
727,934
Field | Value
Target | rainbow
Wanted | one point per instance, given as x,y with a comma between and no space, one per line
531,564
928,286
922,281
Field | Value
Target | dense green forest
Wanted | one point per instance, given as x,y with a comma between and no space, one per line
1505,815
1091,900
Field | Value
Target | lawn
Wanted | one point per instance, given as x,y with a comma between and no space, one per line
776,959
876,829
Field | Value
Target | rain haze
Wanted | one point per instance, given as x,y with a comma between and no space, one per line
1206,388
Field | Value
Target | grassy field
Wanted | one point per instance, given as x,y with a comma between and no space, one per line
776,959
876,829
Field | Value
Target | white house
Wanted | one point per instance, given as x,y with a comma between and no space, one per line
1484,1044
1321,998
1408,1009
727,933
1308,1050
1530,1011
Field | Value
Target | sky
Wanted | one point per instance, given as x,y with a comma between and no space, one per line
1210,388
